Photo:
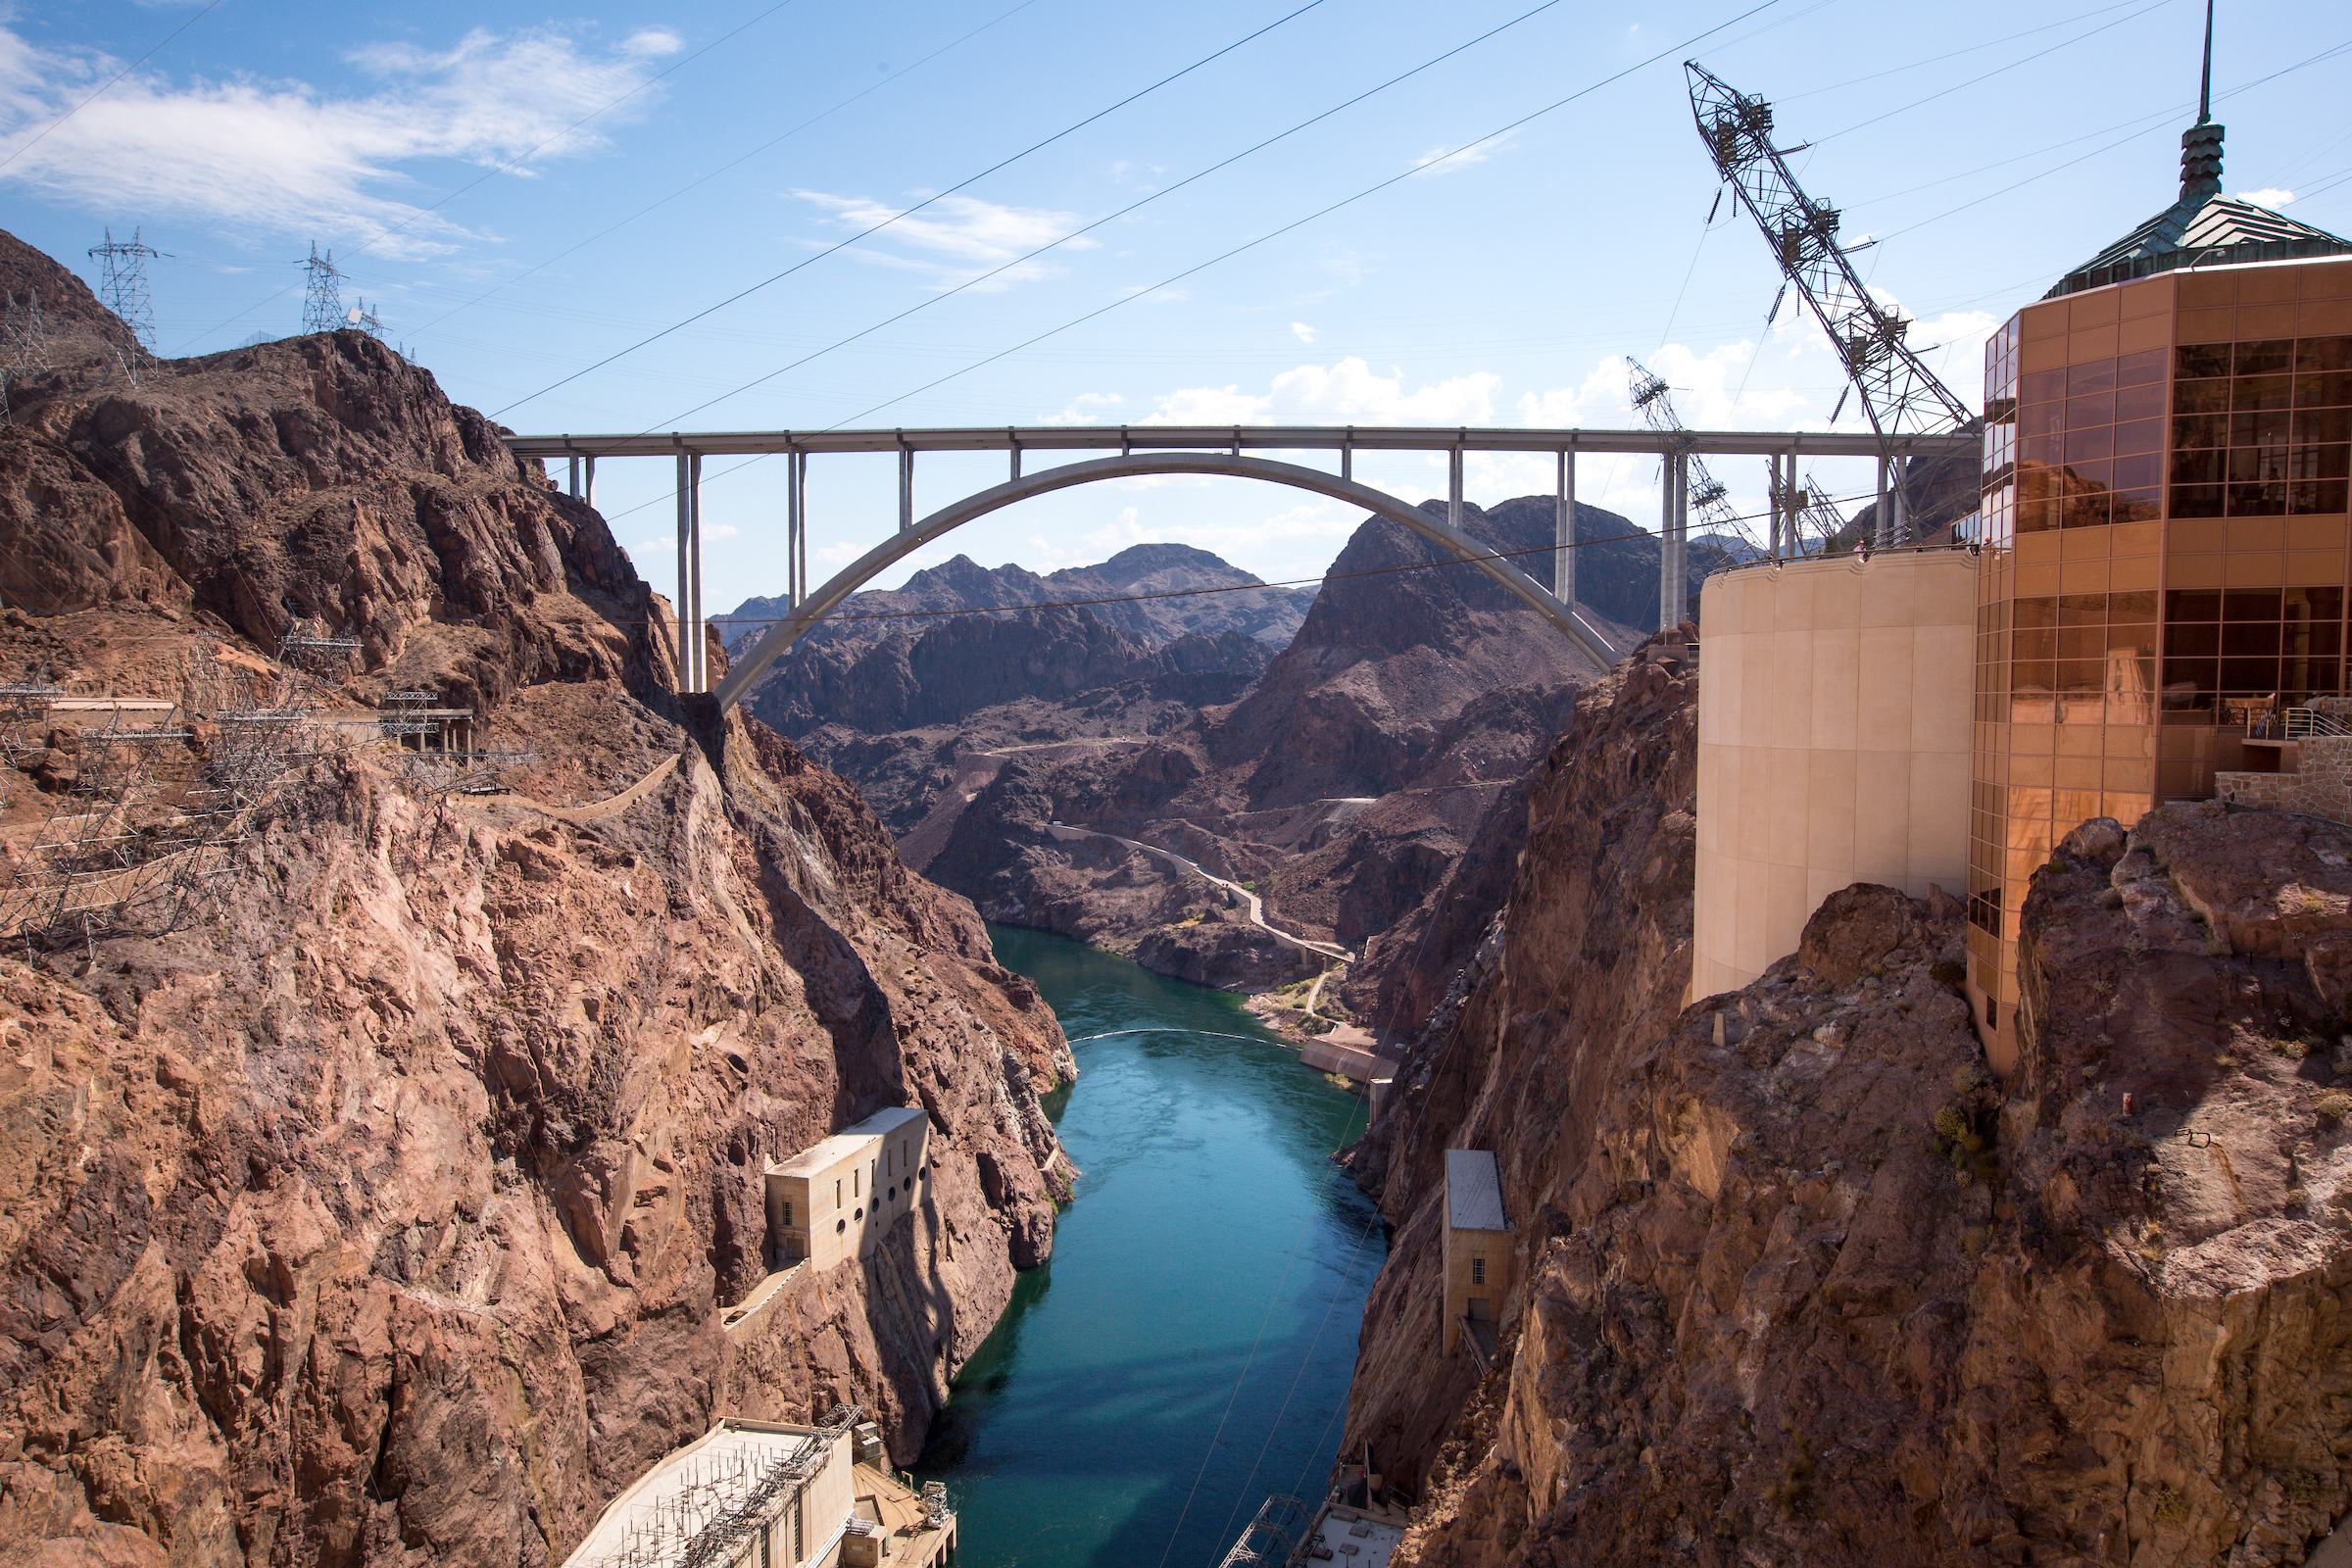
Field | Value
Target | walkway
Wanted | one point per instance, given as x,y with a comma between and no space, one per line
1257,908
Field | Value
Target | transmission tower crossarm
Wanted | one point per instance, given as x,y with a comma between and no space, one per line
1900,395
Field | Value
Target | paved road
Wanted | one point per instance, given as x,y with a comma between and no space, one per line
1258,909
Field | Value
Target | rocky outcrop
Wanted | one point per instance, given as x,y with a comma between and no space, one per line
389,1211
1800,1282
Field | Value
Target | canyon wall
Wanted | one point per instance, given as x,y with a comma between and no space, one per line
391,1210
1799,1282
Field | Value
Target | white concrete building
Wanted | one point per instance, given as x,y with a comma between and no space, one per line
1478,1249
836,1201
744,1494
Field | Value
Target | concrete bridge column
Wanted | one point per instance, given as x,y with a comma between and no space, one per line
1563,533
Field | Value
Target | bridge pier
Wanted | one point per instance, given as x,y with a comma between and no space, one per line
692,673
1563,533
1453,488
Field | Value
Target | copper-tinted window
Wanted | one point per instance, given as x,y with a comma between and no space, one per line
2262,357
2194,359
2323,354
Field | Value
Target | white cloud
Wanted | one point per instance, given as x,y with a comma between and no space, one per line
286,158
652,42
1304,333
2271,197
724,530
1087,408
1441,161
979,236
1347,393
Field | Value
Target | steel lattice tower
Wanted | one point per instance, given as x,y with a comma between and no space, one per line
122,283
323,293
1900,395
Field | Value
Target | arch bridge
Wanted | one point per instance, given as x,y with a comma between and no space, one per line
1221,450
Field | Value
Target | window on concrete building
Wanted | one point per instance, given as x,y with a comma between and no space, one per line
1478,1269
798,1551
788,1211
837,1195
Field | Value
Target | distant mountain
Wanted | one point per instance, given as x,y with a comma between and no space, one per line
945,645
1270,615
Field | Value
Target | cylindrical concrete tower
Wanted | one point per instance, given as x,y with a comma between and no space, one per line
1833,744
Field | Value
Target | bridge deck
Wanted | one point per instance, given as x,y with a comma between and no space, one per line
1240,438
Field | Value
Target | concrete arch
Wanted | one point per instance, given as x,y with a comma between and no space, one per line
898,546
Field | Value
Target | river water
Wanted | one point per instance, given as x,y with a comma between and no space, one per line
1188,1349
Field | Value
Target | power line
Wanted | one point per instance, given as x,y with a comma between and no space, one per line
1234,588
1320,213
928,201
110,82
2325,54
1935,60
2038,54
490,174
1110,218
765,146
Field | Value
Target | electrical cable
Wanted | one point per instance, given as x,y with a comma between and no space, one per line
1242,1377
2038,54
765,146
490,174
110,82
673,420
1339,1290
1324,211
1934,60
2324,55
928,201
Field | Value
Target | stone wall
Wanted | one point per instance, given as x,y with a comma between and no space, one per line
2320,786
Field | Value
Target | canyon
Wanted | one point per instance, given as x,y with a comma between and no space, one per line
390,1210
405,1201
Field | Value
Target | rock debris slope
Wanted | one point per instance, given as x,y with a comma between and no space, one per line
1800,1284
388,1214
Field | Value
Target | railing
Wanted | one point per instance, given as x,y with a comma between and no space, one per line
2303,722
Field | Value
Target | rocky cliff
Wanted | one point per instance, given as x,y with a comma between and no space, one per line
1345,786
390,1211
1799,1282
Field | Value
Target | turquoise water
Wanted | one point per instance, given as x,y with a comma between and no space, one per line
1188,1349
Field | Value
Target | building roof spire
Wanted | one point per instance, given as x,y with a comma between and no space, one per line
2201,143
2205,85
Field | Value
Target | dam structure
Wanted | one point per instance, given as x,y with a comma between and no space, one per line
2151,607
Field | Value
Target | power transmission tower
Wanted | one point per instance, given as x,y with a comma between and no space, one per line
23,343
323,293
1900,395
1709,496
122,285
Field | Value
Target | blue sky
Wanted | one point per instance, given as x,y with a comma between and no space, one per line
521,192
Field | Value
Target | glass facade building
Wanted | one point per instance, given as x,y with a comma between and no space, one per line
2164,557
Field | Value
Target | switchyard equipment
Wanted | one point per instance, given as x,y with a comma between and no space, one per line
1900,396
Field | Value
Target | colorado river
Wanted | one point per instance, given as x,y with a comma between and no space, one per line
1188,1349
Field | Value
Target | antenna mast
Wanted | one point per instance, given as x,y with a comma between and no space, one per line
1900,395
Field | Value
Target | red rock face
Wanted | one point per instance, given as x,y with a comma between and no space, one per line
1798,1283
389,1212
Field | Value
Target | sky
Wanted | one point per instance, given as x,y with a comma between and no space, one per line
645,217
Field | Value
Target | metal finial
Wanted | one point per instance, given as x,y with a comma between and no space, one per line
2205,87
